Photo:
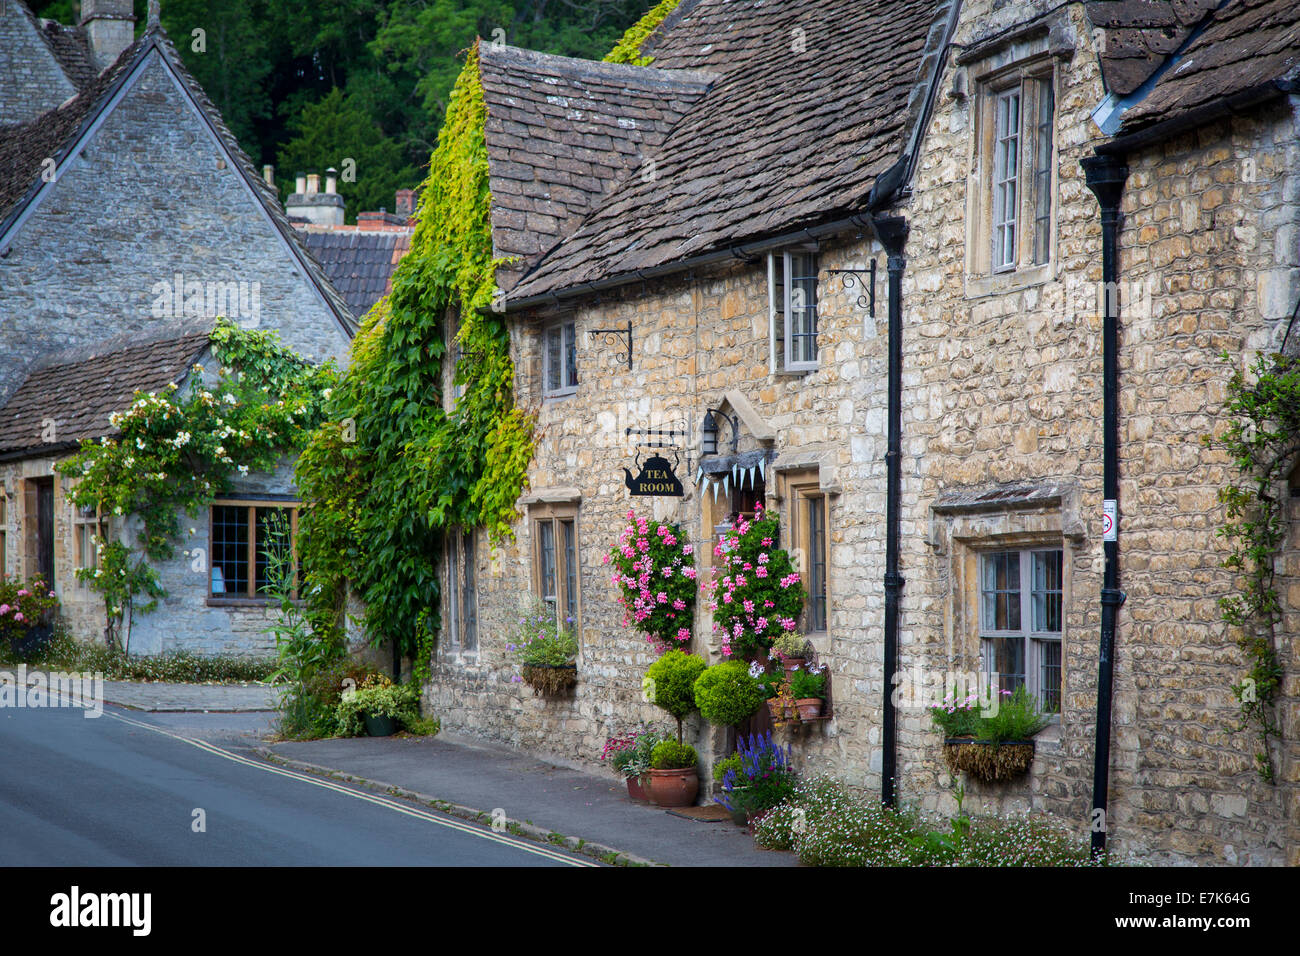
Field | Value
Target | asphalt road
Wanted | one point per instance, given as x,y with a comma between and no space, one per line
123,789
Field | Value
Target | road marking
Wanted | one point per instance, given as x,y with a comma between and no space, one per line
449,822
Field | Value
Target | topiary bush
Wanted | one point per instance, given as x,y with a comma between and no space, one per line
671,755
726,693
670,684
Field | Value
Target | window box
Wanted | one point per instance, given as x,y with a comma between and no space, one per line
990,761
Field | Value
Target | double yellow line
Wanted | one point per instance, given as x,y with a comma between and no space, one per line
449,822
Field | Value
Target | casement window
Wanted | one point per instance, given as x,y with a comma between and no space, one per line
462,590
807,517
1015,150
792,304
1020,608
241,535
85,524
452,389
4,536
559,360
556,573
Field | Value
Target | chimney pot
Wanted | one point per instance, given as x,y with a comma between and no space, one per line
405,205
331,180
300,183
268,174
313,183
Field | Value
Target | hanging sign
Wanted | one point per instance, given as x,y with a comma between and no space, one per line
656,478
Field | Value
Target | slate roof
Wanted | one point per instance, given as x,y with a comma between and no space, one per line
783,139
359,263
80,388
1247,45
24,147
68,45
1142,34
561,132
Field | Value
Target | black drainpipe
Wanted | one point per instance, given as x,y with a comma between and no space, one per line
1105,176
892,233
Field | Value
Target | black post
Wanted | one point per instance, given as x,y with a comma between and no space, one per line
892,233
1105,176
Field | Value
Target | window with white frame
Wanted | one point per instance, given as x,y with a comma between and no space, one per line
1015,161
462,590
559,360
1021,605
792,298
86,529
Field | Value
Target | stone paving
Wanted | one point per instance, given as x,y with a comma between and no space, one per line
158,697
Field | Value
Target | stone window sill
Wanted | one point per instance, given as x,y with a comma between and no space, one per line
980,286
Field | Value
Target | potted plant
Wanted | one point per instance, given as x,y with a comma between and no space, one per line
25,612
674,778
378,705
547,653
808,688
654,570
756,596
727,693
629,755
765,779
670,684
791,649
720,769
990,739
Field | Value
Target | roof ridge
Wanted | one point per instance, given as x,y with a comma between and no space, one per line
172,331
650,74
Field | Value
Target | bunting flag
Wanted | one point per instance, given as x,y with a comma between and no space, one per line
715,491
735,474
726,482
698,475
762,472
751,477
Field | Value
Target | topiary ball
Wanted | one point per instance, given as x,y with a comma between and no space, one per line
671,682
726,694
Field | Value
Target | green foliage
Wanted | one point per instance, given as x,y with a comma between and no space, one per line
23,604
806,683
790,644
830,824
628,49
765,778
538,639
68,654
339,128
726,694
310,710
757,596
178,451
391,470
1010,715
671,755
670,684
725,764
629,754
377,697
1262,440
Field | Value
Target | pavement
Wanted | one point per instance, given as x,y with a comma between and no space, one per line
587,812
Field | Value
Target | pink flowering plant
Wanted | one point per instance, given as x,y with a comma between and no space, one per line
23,605
654,570
756,595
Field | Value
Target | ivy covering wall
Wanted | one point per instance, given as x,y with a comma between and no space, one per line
391,470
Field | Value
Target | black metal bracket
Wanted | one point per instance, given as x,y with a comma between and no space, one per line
618,338
864,279
657,434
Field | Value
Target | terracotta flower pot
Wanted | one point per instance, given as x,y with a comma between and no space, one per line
635,791
673,788
792,664
810,708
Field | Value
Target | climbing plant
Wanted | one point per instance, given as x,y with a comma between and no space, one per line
391,470
1263,441
177,451
628,49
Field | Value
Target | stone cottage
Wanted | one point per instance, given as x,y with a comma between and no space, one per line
129,220
851,261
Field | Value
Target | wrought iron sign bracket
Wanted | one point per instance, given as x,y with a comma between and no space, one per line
865,279
618,338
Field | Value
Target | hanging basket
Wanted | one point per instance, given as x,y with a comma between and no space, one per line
550,680
986,760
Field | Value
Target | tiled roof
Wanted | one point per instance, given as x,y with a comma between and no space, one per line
72,49
561,132
1247,45
359,263
1140,34
78,389
24,148
813,102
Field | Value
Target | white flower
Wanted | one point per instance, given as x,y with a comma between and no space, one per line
228,398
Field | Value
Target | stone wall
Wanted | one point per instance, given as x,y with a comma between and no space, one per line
149,198
31,80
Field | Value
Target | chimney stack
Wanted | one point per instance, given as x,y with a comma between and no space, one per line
110,28
309,203
405,203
